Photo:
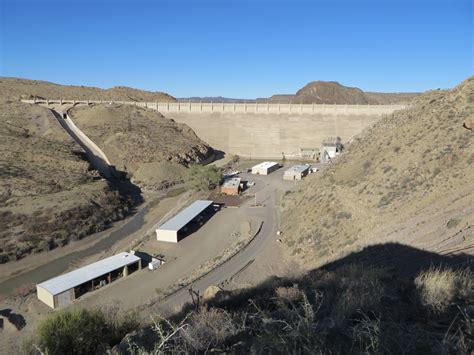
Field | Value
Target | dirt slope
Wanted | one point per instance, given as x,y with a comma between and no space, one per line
331,92
154,149
48,195
408,179
15,88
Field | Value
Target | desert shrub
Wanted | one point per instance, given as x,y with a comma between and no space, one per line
207,328
119,323
288,295
344,215
72,331
439,288
4,258
235,158
203,177
453,222
81,331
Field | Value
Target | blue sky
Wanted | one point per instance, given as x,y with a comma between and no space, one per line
236,48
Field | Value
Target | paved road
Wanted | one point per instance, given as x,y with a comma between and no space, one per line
229,269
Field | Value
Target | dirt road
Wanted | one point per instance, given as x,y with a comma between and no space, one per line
269,214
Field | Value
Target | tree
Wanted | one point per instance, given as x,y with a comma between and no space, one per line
203,177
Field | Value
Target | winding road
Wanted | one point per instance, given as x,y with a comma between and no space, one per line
233,266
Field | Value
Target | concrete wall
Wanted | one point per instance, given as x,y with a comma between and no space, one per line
44,296
264,130
220,107
269,135
166,236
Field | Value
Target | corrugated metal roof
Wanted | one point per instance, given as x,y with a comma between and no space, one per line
77,277
234,182
185,216
265,165
297,169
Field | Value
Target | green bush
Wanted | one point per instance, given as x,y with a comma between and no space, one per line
203,177
453,222
76,330
81,331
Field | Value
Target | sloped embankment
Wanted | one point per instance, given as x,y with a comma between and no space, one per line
154,150
48,193
408,179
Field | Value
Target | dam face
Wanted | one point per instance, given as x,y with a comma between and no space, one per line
269,135
268,130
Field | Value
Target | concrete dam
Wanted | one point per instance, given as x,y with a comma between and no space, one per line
267,133
263,130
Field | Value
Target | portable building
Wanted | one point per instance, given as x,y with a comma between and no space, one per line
296,172
265,168
231,186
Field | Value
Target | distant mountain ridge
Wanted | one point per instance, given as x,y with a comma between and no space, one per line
332,92
321,92
16,88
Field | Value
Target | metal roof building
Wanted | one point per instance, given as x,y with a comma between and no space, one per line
296,172
61,290
265,168
169,231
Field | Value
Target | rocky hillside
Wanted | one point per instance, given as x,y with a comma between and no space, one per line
409,178
331,92
15,88
48,194
154,150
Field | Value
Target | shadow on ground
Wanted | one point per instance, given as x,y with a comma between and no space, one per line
370,301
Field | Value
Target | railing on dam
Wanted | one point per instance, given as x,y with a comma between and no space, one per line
224,107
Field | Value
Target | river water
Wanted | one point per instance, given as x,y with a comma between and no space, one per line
58,266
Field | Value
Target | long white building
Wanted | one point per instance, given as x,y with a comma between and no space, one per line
171,231
62,290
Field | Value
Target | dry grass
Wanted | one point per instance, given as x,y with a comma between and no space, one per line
440,287
402,165
48,194
352,309
208,328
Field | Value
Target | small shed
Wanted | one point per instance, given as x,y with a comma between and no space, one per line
231,186
265,168
296,172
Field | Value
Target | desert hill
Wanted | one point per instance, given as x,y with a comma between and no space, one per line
408,178
48,192
331,92
153,149
16,88
319,92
